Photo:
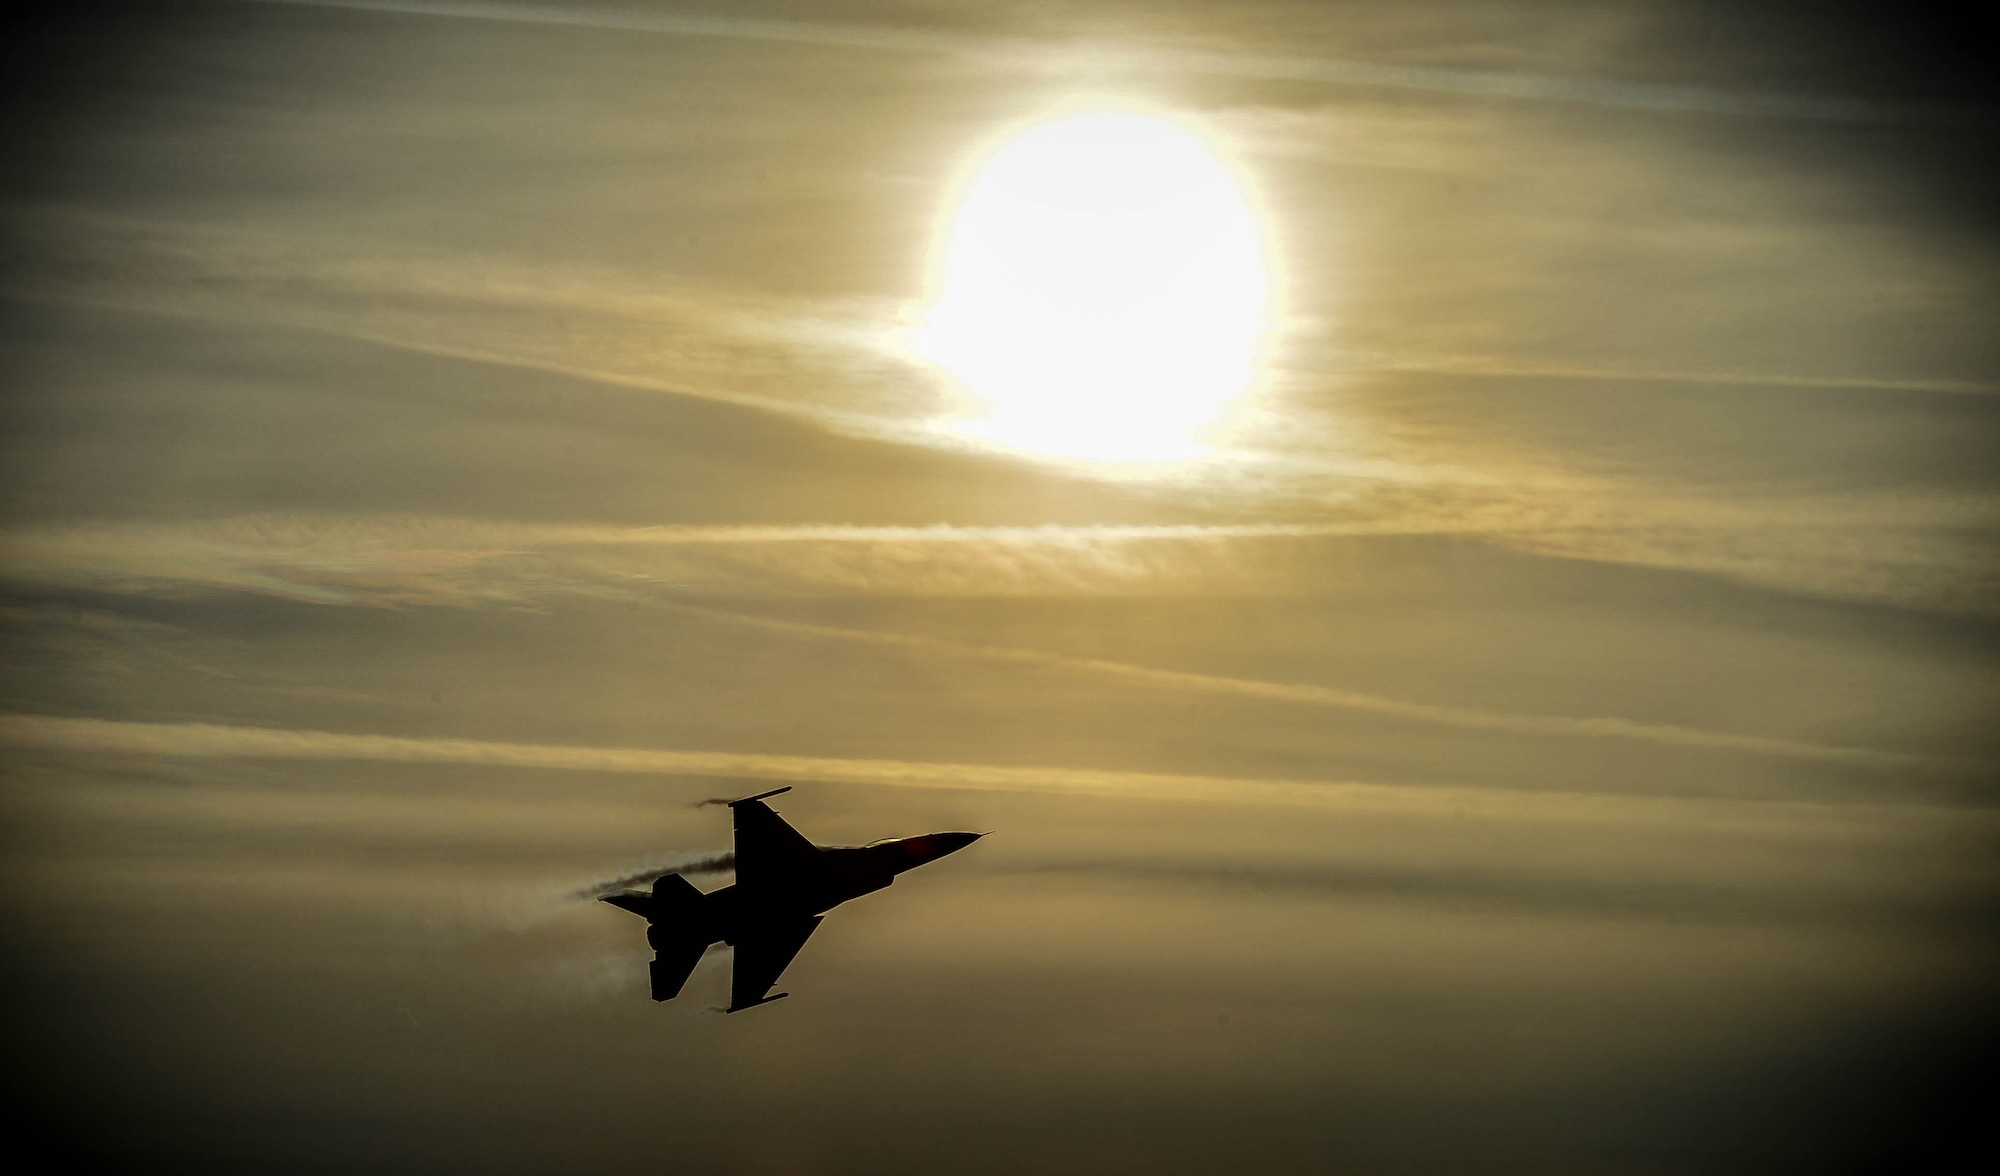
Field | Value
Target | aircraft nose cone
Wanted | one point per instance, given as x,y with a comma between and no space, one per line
952,842
932,846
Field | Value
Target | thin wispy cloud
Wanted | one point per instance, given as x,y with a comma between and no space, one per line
1110,58
394,560
1555,726
836,363
221,741
1608,895
1499,365
791,356
402,561
1903,550
458,441
1928,569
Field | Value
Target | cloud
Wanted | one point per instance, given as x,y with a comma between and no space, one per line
1614,896
1662,734
835,362
210,740
393,560
1100,58
1937,571
835,365
1904,551
1516,366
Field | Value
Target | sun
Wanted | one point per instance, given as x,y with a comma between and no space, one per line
1101,290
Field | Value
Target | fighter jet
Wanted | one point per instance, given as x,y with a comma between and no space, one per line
784,886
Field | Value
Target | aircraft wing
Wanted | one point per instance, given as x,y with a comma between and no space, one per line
762,954
768,851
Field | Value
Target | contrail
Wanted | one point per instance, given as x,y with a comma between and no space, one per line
1516,724
1334,71
705,863
517,910
212,740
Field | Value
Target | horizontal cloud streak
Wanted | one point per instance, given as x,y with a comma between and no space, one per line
1098,58
1903,551
838,367
411,560
1661,734
394,561
1611,896
1505,366
403,560
210,740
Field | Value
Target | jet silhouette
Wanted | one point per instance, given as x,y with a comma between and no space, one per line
784,886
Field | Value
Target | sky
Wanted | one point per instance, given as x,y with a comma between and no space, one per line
1537,719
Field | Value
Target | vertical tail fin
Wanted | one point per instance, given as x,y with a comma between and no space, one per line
675,899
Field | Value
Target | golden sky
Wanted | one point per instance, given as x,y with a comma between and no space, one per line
1454,545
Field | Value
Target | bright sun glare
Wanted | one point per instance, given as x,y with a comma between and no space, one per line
1101,290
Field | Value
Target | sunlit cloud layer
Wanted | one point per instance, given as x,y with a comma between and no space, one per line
1911,554
1087,57
403,562
1452,546
1350,468
209,740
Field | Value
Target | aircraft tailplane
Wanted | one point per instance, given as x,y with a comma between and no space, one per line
673,962
679,934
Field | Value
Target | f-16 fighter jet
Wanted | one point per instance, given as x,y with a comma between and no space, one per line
784,886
